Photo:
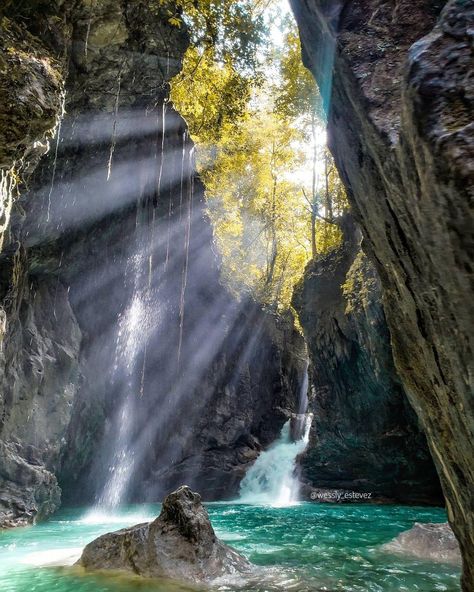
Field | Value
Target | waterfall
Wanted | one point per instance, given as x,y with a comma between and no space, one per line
143,316
122,464
301,420
272,479
132,325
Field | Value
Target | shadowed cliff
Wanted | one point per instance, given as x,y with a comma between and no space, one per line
399,103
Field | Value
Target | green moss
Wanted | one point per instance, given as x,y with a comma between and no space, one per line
360,284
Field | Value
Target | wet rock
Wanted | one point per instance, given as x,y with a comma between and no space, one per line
365,436
28,491
180,544
430,542
39,338
31,94
39,373
31,99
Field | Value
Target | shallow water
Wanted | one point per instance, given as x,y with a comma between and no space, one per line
304,547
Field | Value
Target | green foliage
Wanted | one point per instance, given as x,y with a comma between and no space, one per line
232,29
221,65
360,285
298,94
273,192
209,95
257,211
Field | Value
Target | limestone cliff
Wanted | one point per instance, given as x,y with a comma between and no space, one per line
365,435
394,76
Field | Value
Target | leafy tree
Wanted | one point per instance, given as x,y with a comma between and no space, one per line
253,132
299,99
221,65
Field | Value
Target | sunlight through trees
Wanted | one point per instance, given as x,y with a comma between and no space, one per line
254,111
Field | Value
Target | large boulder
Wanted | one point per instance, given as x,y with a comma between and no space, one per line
431,542
179,544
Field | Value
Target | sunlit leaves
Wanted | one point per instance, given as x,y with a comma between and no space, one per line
233,29
298,93
210,95
250,189
272,190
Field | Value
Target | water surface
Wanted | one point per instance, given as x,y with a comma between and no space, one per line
305,547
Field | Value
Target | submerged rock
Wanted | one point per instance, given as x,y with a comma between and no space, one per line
179,544
433,542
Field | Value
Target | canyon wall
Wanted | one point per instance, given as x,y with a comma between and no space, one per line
394,80
39,335
365,435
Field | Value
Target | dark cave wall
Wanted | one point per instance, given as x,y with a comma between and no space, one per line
401,133
365,435
238,408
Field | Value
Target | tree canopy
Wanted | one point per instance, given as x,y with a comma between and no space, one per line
255,114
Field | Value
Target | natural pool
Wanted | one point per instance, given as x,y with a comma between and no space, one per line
302,548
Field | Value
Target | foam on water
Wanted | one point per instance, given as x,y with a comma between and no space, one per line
53,557
96,516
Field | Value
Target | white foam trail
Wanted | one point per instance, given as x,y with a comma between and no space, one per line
104,517
53,557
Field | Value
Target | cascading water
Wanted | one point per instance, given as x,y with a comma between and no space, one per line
132,326
135,324
272,479
301,420
127,439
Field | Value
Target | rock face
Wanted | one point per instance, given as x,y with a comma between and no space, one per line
400,129
39,336
429,542
39,379
180,544
31,100
365,435
237,410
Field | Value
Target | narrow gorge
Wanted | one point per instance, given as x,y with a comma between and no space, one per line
194,291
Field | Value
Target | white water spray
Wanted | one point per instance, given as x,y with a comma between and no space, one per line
133,326
121,468
272,480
